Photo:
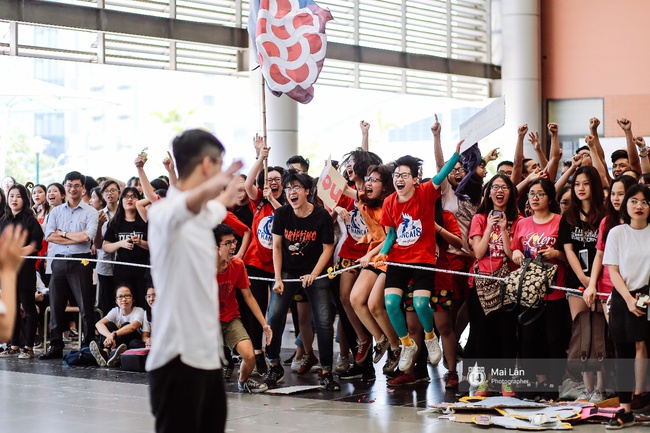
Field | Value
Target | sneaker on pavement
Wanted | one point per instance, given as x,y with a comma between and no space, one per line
369,374
342,363
116,355
308,361
422,376
355,372
392,360
328,383
433,347
621,420
296,363
252,386
26,354
260,364
380,348
596,396
9,353
507,391
97,353
51,353
584,396
407,355
451,380
274,376
363,348
227,372
483,390
402,380
640,402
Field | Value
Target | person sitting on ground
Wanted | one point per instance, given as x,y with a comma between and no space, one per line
119,330
231,275
148,319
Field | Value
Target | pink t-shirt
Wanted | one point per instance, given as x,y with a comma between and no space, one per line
530,238
495,254
604,284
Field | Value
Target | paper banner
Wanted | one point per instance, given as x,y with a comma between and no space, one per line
483,123
330,185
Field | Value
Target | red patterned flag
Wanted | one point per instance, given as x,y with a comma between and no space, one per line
290,41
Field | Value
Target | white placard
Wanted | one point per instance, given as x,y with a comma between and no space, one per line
330,185
483,123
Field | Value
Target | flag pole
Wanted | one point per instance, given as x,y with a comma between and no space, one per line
266,160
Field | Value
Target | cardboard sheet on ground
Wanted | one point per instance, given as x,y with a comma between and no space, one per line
330,186
292,389
519,424
563,413
483,123
491,403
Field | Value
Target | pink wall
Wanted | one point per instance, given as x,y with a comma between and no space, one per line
599,49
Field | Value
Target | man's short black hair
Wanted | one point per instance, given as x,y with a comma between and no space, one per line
90,183
222,230
510,163
191,147
581,148
523,165
297,159
292,175
619,154
74,175
159,184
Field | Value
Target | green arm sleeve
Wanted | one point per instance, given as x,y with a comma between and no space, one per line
446,169
390,240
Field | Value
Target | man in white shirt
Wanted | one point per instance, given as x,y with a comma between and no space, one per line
186,386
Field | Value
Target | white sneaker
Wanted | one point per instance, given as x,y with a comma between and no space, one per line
433,347
296,363
597,396
584,396
406,357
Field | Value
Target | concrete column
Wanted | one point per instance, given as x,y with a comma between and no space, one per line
521,72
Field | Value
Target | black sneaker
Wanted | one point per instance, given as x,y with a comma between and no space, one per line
369,374
227,372
621,420
275,375
355,372
289,360
52,353
260,364
328,383
251,386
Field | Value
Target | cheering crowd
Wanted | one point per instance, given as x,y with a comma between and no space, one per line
399,259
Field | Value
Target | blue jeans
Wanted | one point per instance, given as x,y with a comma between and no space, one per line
320,299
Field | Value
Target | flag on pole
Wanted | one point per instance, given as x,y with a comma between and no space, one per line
289,39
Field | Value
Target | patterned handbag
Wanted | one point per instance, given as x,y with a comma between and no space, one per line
526,287
488,290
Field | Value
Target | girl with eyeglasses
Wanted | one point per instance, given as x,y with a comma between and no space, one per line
120,329
409,214
18,212
126,236
356,165
492,334
548,336
110,191
626,256
579,235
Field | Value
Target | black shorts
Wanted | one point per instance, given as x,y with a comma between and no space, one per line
399,277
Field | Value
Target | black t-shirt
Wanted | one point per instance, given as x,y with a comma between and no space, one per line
124,230
302,238
584,241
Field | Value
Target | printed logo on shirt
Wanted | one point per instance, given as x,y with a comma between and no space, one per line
535,242
125,236
264,232
588,235
298,240
409,231
356,227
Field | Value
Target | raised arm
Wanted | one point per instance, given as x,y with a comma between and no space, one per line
437,144
533,137
210,189
593,130
171,171
441,177
555,154
576,161
262,154
365,126
147,189
632,155
643,154
519,154
596,161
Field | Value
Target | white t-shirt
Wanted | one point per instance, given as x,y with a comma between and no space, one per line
146,325
184,269
628,249
116,316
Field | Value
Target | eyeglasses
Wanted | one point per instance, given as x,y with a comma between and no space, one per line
121,297
457,170
500,188
129,197
111,191
71,186
585,155
150,297
274,180
539,195
402,175
371,179
229,244
506,173
294,188
635,202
